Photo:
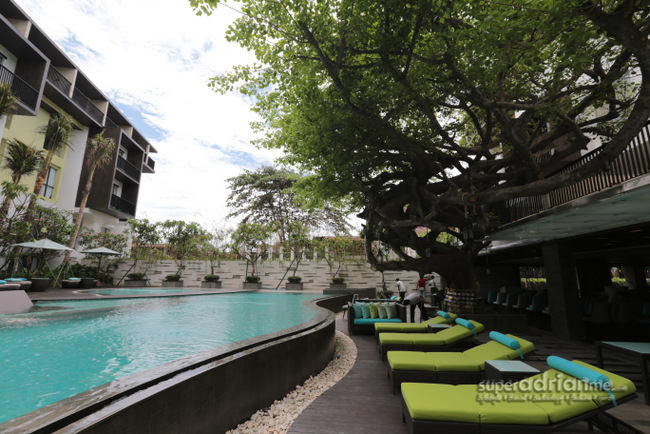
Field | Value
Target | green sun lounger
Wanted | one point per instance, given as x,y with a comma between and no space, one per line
567,393
421,327
456,338
451,367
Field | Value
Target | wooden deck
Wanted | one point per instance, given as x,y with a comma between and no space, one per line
362,401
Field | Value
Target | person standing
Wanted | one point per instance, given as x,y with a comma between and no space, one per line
401,289
422,282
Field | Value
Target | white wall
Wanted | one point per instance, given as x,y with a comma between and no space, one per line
315,274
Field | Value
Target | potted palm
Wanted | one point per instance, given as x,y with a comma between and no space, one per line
211,281
252,282
172,281
294,283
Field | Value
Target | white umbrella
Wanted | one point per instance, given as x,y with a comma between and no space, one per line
101,251
43,244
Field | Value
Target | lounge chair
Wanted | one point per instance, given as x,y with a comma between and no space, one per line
456,338
456,368
421,327
569,392
25,284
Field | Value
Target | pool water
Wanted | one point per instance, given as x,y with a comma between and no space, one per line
136,291
51,355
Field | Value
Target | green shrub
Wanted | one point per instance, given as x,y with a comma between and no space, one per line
385,294
338,280
253,279
294,279
211,278
135,276
173,277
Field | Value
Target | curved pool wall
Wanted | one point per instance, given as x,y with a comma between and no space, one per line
212,391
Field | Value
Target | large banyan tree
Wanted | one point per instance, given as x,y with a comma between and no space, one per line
428,114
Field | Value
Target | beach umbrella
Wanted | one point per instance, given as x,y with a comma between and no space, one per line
100,251
42,244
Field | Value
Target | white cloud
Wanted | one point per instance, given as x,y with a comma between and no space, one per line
154,57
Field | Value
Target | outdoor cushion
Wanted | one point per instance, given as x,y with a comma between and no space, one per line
365,308
431,361
621,386
472,360
556,393
375,320
391,310
505,340
443,337
2,282
546,398
358,312
372,307
445,402
444,315
381,310
413,327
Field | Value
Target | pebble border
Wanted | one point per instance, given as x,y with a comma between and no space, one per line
277,418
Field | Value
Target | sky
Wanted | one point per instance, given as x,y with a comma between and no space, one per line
153,59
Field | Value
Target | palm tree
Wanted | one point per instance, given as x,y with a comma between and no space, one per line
57,135
99,152
7,100
21,160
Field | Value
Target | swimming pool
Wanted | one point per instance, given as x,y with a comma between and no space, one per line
137,291
55,354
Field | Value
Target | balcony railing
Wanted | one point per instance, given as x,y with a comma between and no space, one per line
119,204
150,163
90,108
21,90
632,162
128,168
59,81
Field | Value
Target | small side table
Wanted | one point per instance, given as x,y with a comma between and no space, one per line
508,370
435,328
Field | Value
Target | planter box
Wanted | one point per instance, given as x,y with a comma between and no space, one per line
294,286
216,284
135,283
172,283
40,284
87,282
336,286
250,285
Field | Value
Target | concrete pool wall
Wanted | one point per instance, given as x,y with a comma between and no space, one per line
212,391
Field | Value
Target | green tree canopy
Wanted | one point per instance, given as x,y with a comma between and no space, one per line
268,196
430,113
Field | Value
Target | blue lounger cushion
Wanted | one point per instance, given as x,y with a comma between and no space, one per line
375,320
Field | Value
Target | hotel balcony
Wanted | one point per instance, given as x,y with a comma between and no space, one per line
82,105
128,169
149,165
124,207
27,96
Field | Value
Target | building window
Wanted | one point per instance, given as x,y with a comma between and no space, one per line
117,188
48,188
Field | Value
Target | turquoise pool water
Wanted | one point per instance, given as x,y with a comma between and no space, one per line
137,291
51,355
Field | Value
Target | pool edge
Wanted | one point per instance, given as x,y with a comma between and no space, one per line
214,390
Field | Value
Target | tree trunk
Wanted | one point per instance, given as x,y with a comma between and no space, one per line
82,207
